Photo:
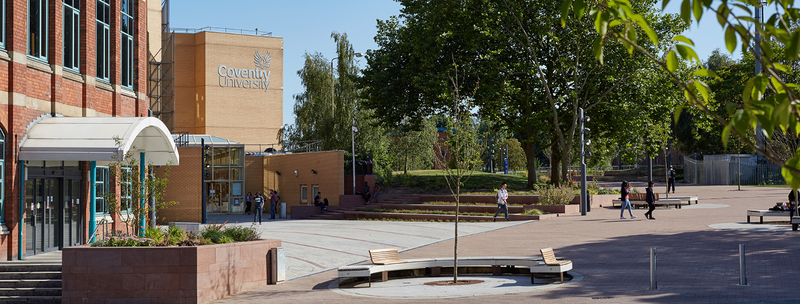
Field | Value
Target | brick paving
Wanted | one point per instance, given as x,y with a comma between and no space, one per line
696,264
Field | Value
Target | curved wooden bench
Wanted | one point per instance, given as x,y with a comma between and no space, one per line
535,264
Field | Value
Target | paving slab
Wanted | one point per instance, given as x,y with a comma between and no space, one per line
697,253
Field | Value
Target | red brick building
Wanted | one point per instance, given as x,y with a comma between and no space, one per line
64,58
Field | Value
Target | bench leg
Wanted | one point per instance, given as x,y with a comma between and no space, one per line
533,278
384,276
761,220
436,271
562,277
748,218
496,271
794,227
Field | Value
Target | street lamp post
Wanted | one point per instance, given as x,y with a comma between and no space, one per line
354,155
584,142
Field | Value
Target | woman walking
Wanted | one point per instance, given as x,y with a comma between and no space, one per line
626,203
650,198
248,200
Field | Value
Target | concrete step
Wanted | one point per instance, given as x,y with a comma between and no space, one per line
31,275
327,216
30,299
28,291
31,283
19,267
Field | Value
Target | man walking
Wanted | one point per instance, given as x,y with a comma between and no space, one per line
502,202
259,202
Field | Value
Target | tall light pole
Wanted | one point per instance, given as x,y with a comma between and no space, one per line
333,98
354,155
584,142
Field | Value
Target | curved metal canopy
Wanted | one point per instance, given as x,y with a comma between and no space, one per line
95,139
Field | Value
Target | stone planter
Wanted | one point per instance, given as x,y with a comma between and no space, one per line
163,274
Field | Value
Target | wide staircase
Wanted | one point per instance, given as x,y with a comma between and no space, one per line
338,212
36,279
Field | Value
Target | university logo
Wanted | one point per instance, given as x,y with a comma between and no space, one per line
262,61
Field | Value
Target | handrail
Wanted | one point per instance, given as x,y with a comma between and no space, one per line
103,223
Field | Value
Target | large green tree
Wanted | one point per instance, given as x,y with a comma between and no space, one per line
329,107
528,73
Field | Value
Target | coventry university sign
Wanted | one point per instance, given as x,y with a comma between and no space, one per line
257,78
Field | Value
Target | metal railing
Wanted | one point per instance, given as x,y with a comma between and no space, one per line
220,30
103,223
284,148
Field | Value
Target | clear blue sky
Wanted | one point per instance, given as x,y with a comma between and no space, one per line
306,26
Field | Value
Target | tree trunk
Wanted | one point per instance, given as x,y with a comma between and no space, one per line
455,246
530,150
555,160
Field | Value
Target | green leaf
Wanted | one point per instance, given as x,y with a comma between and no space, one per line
793,47
672,61
664,4
565,6
702,87
726,134
792,179
745,8
687,53
697,9
579,6
706,73
598,49
731,108
686,11
678,111
741,121
722,14
601,24
730,39
646,28
682,38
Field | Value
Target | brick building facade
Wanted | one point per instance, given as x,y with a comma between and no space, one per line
48,68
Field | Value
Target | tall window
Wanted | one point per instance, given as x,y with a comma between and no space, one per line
103,40
2,23
304,193
127,43
126,189
72,23
102,187
37,29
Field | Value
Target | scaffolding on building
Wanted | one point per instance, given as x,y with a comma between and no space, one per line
161,74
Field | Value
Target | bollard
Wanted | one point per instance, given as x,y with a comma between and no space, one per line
742,268
653,282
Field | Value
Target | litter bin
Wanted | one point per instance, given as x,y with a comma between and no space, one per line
283,210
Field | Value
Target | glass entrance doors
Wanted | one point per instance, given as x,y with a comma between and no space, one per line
52,214
218,197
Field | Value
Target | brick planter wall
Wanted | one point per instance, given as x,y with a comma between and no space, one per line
163,274
489,199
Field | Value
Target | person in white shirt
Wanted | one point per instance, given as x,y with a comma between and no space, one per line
502,202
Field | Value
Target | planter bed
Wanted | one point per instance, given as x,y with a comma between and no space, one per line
353,215
163,274
471,208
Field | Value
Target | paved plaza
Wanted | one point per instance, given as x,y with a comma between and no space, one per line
698,260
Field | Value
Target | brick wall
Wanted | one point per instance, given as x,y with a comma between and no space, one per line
29,90
327,164
185,187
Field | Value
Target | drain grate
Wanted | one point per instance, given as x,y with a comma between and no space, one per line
602,298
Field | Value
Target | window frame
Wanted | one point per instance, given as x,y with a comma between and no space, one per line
304,193
126,43
74,52
103,34
2,175
43,26
100,198
126,190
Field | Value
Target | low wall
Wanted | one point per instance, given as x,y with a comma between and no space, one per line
563,209
438,217
163,274
489,199
301,212
601,200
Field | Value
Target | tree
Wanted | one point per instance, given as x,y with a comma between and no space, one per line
534,75
321,115
462,142
410,149
767,100
716,61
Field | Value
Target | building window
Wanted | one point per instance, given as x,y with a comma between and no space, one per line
315,190
102,189
304,193
3,24
127,43
72,23
37,29
103,40
126,189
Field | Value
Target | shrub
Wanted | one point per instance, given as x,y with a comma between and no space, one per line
155,234
243,234
556,196
124,241
533,212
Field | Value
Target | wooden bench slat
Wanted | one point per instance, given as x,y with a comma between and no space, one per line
385,256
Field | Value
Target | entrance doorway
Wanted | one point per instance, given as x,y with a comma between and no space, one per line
218,197
52,219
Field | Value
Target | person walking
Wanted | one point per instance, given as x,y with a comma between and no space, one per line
650,198
259,207
626,203
502,202
671,183
248,200
273,202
